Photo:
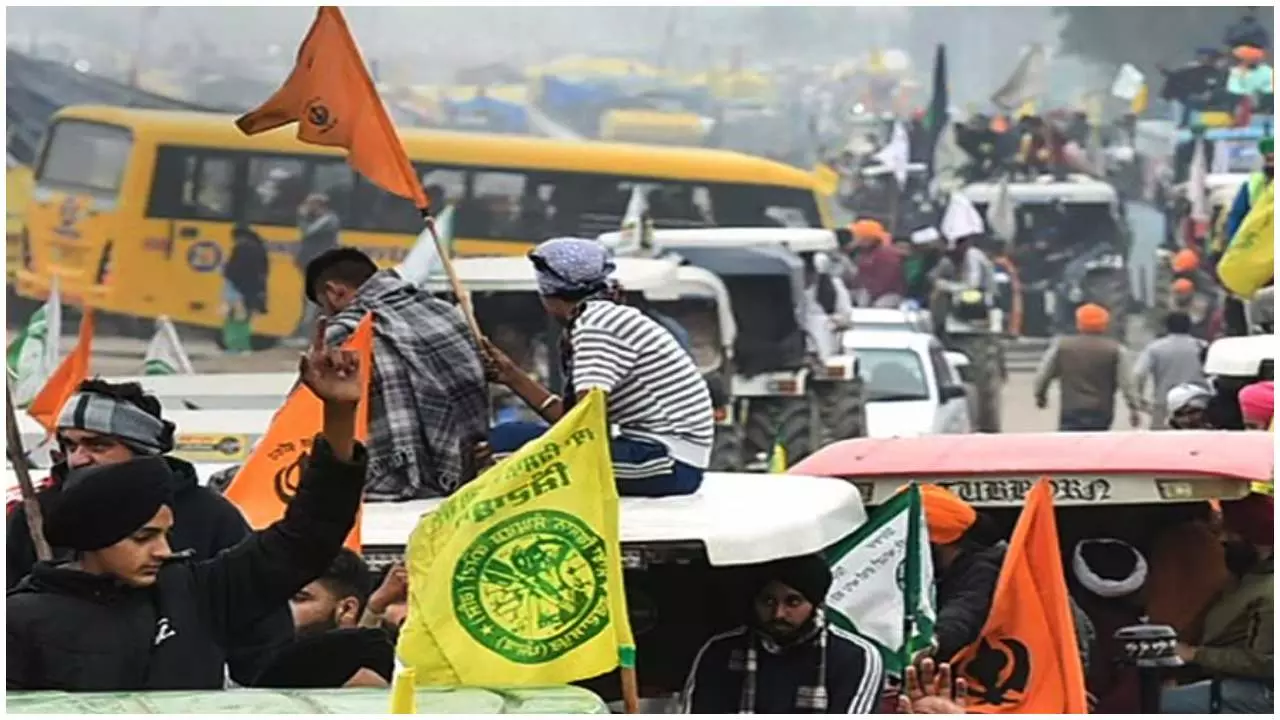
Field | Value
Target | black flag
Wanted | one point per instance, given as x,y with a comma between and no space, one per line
935,118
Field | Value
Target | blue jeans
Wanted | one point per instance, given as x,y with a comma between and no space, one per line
1084,421
641,468
1239,696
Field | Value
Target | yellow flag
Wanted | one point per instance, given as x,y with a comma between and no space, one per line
1138,105
778,459
1249,262
516,580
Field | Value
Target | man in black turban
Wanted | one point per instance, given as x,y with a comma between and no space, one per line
128,613
789,659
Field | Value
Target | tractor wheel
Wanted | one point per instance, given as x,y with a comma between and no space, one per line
984,363
786,420
726,449
842,407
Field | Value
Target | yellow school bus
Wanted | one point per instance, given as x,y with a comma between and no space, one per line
133,210
17,191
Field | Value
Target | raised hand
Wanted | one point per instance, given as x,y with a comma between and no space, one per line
928,694
332,374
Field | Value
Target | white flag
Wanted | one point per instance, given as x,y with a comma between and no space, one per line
34,353
897,154
1002,214
423,259
165,353
1027,81
1128,83
1198,183
961,219
948,159
637,229
882,581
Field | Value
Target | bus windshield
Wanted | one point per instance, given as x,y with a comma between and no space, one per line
85,156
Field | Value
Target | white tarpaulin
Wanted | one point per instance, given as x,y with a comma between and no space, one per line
1128,83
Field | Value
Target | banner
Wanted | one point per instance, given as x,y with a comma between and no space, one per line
516,579
882,581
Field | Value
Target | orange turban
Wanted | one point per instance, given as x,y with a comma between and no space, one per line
947,516
869,229
1183,286
1186,260
1246,53
1092,318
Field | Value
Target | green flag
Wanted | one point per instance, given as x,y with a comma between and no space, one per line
33,355
165,354
882,585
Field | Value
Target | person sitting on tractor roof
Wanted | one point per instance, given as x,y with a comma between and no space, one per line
1234,654
1246,31
1090,368
1252,78
879,264
656,398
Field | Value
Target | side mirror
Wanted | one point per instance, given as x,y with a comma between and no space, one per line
952,392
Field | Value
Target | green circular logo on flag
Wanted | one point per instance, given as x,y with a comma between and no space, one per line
533,587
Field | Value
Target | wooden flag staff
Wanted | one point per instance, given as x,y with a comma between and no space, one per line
464,297
18,455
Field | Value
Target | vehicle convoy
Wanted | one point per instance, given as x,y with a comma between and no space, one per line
1070,248
912,388
174,184
683,559
793,384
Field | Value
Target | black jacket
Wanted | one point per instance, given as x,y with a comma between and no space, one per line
205,523
965,593
854,682
68,630
246,270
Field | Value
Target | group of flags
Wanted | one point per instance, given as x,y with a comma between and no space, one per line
1026,659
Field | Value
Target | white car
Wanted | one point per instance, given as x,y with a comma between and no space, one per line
891,319
912,386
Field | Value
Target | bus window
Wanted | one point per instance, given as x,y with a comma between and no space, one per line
192,185
278,185
750,205
336,181
380,211
493,210
85,156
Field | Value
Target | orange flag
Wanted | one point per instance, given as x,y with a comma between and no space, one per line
269,478
332,98
1026,660
62,384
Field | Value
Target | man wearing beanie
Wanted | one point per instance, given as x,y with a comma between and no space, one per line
106,423
1235,652
128,613
1090,368
789,659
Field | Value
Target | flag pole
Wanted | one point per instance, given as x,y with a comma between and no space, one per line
630,690
464,297
18,455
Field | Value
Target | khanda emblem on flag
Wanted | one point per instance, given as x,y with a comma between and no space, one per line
999,672
287,478
318,115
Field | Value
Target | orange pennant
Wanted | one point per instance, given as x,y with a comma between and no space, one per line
332,98
62,384
269,478
1027,660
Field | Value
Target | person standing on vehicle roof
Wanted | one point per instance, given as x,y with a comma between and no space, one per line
788,659
107,423
1172,360
127,613
656,398
429,402
332,649
1234,654
966,564
1090,368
